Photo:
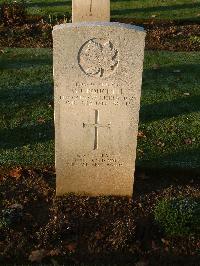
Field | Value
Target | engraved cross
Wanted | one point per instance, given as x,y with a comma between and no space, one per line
96,125
91,8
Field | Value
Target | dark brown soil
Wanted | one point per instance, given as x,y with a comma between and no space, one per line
93,231
174,38
161,35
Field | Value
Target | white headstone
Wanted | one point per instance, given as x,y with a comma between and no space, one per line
90,10
98,74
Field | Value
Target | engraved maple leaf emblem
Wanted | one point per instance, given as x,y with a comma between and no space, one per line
98,57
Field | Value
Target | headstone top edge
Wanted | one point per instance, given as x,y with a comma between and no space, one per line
98,24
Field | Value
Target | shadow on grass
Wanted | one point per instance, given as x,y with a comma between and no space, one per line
175,69
13,100
13,62
11,138
154,9
22,102
156,82
185,158
48,4
168,109
22,136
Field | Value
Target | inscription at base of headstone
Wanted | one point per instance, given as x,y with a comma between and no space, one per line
97,74
90,10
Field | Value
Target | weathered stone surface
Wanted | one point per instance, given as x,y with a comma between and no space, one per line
90,10
97,74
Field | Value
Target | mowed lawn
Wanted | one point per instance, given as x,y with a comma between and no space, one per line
159,9
169,117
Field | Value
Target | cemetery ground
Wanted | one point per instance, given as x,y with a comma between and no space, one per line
35,226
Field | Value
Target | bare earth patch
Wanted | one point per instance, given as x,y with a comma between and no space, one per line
161,35
115,230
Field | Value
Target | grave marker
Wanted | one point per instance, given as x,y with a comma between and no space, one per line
98,75
90,10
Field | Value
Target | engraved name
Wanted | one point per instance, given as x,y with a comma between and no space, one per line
90,94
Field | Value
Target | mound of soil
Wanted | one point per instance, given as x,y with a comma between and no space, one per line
35,226
161,35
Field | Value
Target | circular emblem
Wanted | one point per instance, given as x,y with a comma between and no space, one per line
98,58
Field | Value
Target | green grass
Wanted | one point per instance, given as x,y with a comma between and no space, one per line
168,9
168,114
26,113
178,216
